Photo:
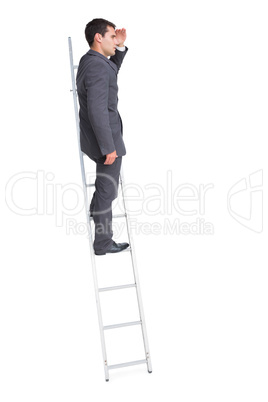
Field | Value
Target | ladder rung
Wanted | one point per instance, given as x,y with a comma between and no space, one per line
119,215
126,250
75,67
114,366
90,185
114,216
125,324
117,287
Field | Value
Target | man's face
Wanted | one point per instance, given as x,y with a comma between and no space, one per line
109,42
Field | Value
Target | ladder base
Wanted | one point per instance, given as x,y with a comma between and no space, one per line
115,366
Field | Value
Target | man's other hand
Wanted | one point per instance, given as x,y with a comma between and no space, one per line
110,158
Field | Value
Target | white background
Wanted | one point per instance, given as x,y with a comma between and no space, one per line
193,99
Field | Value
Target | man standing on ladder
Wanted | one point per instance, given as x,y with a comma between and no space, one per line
100,123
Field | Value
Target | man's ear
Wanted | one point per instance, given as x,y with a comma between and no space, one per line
98,37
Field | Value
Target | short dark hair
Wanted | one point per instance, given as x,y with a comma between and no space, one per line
98,25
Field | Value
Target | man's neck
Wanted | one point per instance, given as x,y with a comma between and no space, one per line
99,50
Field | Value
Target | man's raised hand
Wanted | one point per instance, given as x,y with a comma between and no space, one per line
121,35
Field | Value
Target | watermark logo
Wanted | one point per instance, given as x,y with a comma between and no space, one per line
181,208
47,197
245,201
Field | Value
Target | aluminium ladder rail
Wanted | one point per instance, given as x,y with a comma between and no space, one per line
141,322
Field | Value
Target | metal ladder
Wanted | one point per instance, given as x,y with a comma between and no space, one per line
103,328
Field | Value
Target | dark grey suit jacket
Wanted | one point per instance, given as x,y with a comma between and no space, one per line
101,130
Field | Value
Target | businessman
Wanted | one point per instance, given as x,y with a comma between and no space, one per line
101,130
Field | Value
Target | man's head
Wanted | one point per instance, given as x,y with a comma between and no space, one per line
100,35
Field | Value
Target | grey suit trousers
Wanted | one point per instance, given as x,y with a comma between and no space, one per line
106,190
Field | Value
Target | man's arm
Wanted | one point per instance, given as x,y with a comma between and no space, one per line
97,86
119,57
121,49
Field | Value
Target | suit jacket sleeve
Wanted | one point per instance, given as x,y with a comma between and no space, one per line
118,57
97,86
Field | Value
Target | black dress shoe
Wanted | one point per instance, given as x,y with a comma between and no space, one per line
115,248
